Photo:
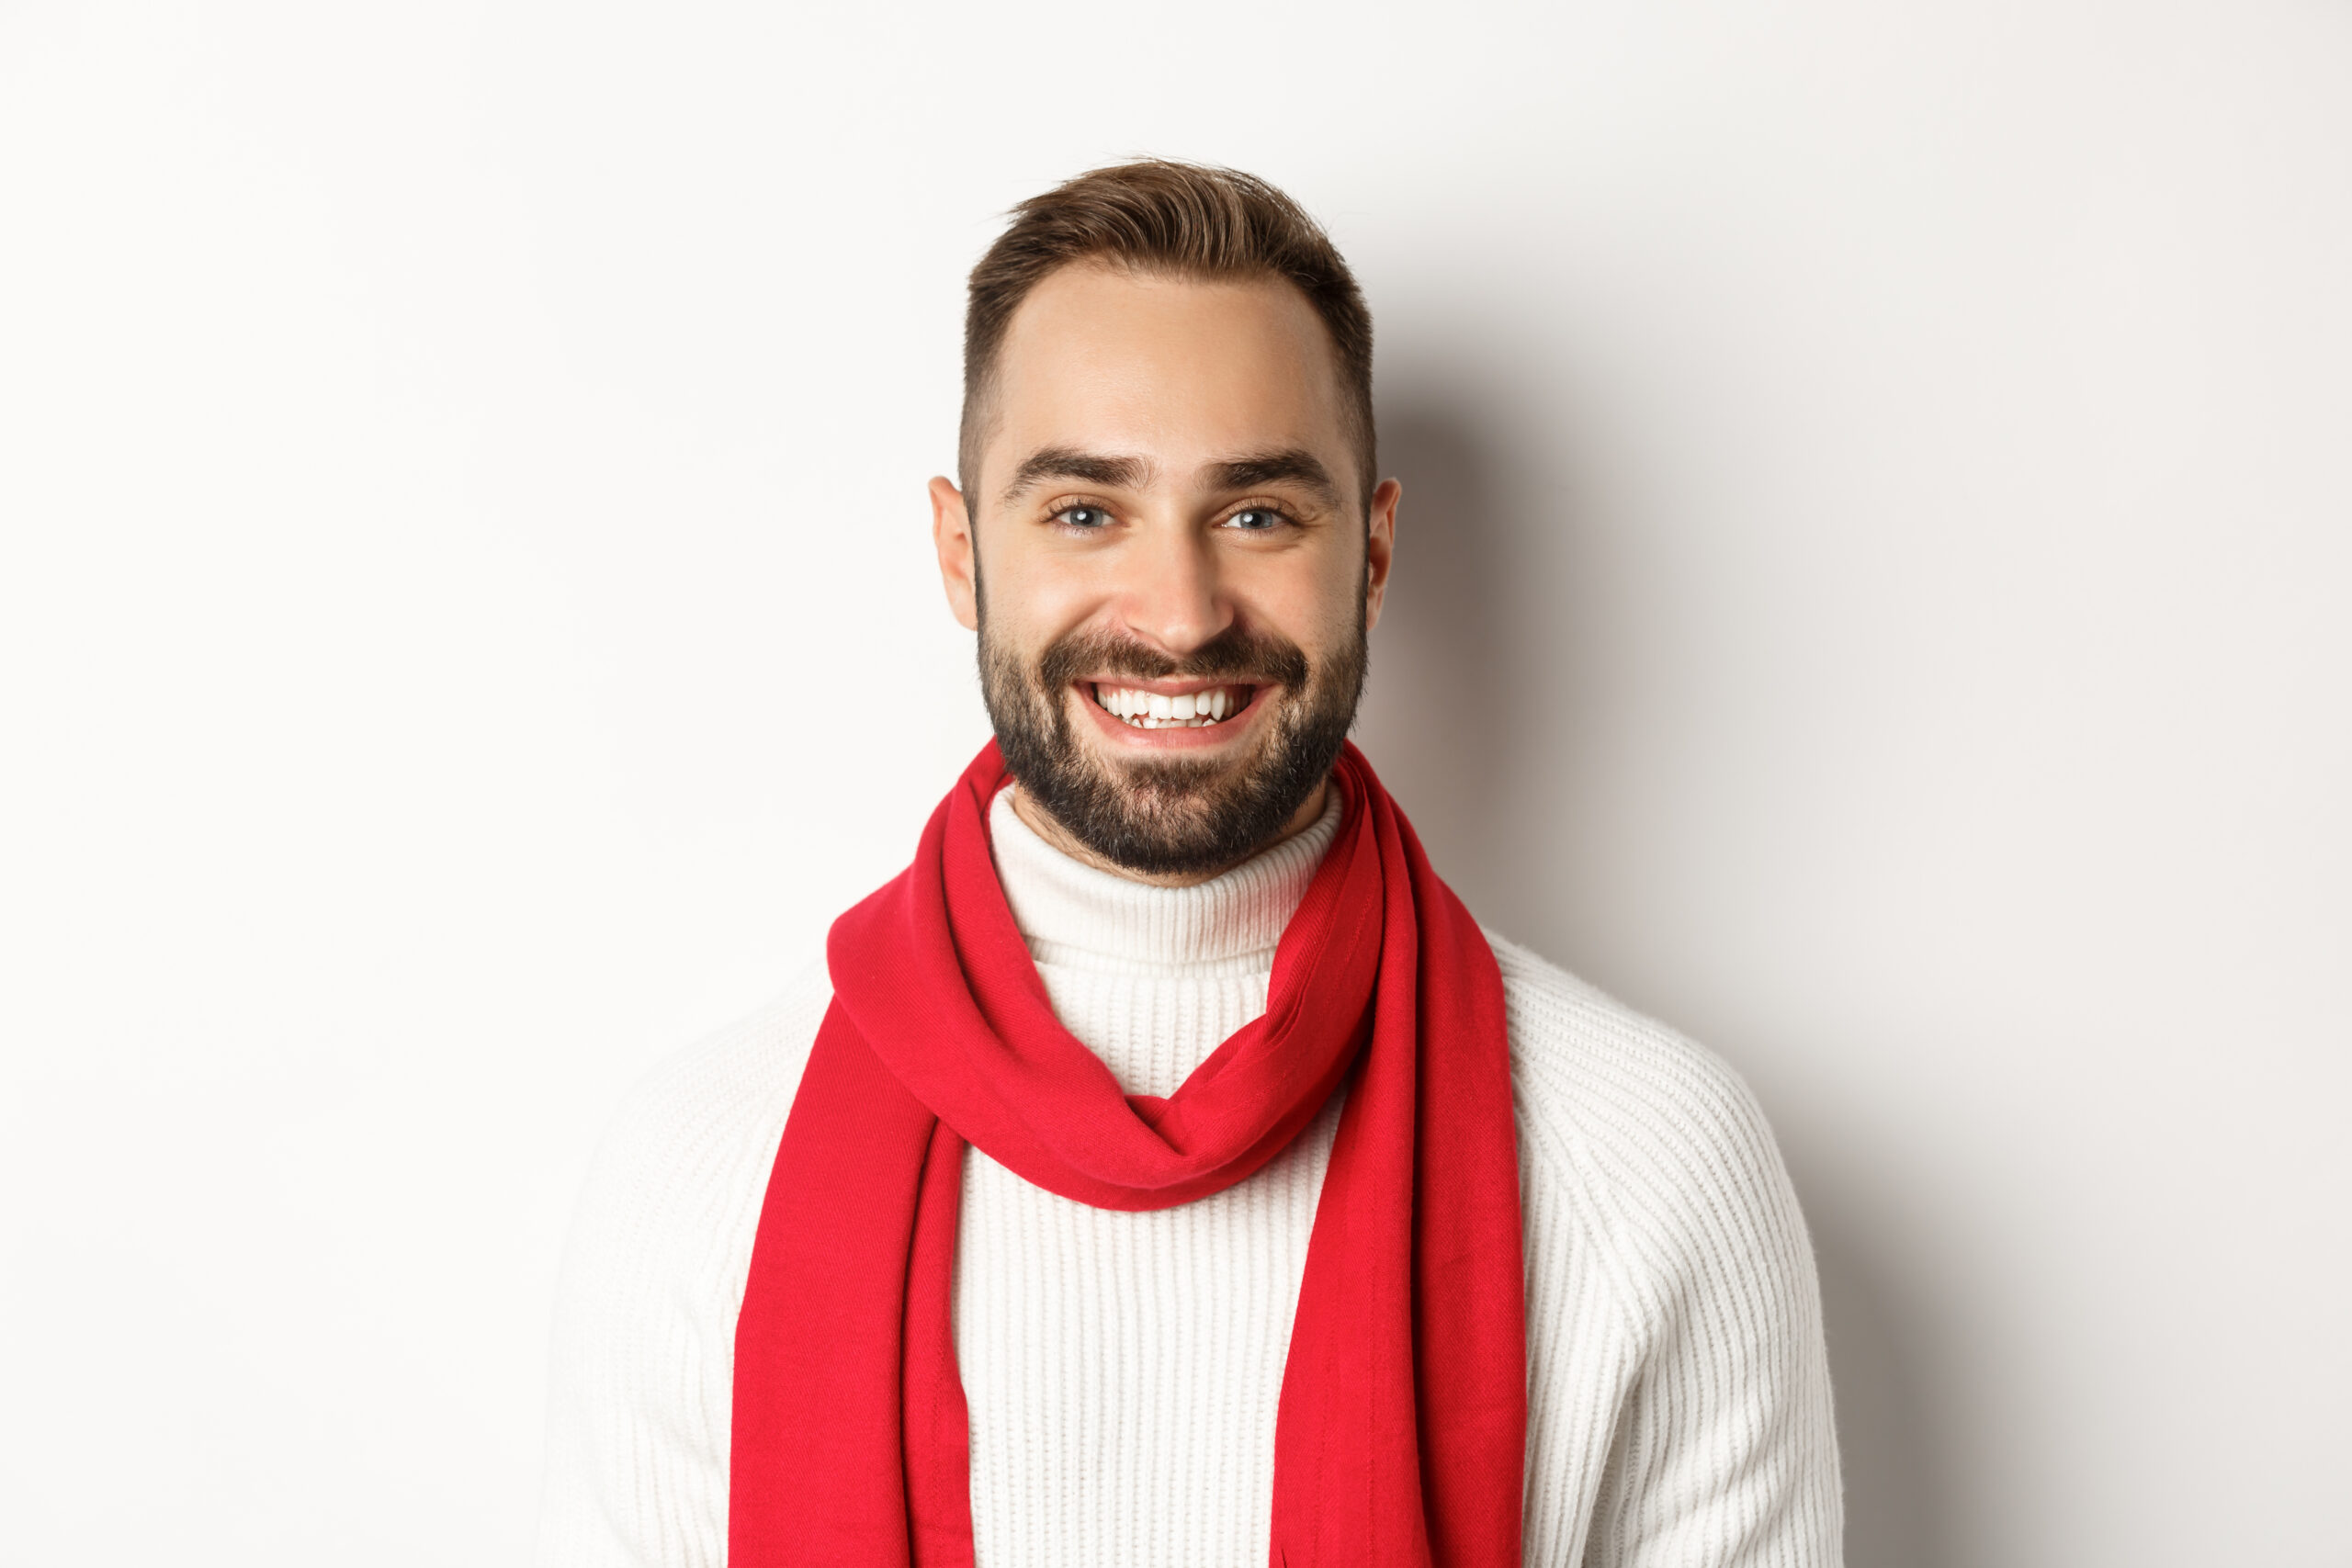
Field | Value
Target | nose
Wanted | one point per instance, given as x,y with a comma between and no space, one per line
1170,596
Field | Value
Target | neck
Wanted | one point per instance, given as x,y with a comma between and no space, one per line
1043,824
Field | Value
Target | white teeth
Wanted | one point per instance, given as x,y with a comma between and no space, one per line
1155,710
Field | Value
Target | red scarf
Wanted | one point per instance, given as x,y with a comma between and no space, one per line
1400,1434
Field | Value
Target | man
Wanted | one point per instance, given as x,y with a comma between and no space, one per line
1165,1170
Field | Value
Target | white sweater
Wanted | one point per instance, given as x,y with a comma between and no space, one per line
1123,1369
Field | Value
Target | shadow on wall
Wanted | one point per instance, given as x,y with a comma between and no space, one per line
1452,690
1895,1516
1437,720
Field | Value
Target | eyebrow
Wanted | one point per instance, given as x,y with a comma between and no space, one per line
1293,465
1069,463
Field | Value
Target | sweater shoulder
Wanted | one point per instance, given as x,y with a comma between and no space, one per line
1590,1067
640,1369
733,1088
674,1191
1655,1143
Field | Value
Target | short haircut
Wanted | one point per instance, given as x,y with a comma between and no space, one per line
1185,219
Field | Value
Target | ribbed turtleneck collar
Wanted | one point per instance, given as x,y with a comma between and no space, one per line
1070,913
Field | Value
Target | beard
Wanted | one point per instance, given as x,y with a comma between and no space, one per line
1185,815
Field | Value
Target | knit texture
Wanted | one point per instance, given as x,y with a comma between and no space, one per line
1123,1369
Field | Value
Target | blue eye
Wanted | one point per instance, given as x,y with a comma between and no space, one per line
1255,519
1082,516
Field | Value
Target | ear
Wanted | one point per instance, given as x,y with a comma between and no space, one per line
951,535
1379,548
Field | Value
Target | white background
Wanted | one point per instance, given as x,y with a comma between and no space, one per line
1871,591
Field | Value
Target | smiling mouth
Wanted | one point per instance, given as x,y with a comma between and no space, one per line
1140,709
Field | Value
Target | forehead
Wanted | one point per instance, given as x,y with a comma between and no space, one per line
1180,370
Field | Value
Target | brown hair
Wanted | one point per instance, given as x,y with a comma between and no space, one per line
1156,215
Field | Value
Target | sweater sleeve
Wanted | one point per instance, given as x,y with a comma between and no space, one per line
1721,1447
641,1379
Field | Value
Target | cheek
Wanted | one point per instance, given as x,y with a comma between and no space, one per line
1315,608
1030,599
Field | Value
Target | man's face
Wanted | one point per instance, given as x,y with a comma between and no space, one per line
1168,562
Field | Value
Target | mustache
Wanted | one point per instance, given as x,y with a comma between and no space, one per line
1237,654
